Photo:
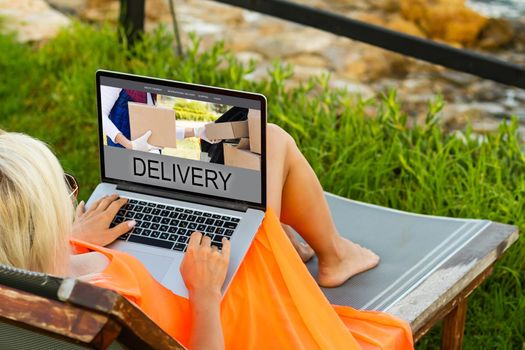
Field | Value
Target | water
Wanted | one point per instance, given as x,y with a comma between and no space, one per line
499,8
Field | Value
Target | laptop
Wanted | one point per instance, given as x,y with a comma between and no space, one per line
171,196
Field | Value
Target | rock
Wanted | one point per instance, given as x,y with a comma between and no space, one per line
457,115
242,41
336,54
519,94
109,10
303,73
309,60
519,34
201,28
458,78
260,72
497,33
418,90
315,3
368,17
290,43
511,101
485,126
484,90
358,67
339,5
246,56
519,113
490,109
156,10
448,20
32,20
72,7
271,27
402,25
521,130
372,63
385,5
101,11
218,13
353,87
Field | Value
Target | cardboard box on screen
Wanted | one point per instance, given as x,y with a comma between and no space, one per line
240,156
254,129
227,130
160,120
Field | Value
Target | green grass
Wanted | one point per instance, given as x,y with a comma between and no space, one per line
193,110
49,93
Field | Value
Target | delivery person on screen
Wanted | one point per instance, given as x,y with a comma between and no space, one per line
115,119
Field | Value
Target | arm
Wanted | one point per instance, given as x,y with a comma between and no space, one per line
108,97
184,133
121,139
206,328
199,132
204,270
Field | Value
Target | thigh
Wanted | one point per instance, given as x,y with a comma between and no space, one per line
277,162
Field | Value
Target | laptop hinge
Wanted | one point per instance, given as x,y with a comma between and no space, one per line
186,197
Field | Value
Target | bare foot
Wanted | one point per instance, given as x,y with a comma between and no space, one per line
304,250
353,259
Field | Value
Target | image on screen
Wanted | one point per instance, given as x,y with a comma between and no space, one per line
181,139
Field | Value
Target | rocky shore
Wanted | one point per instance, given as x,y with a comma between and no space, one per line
358,67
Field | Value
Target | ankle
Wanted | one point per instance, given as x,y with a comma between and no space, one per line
334,255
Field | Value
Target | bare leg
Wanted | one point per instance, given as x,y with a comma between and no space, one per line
295,192
304,250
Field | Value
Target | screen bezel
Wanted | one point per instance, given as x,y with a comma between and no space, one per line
195,87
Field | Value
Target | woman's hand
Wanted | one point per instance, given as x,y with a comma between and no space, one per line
204,268
93,225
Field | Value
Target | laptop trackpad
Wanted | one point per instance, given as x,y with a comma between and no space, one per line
157,265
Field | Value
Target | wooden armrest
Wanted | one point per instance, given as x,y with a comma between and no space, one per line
85,315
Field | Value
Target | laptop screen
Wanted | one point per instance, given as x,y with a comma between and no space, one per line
183,137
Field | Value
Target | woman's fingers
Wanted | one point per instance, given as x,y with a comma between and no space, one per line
106,202
81,208
206,241
226,249
115,206
120,229
95,204
195,240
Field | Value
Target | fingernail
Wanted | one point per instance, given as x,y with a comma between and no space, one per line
132,223
81,203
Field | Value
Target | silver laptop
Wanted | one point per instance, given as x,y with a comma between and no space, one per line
173,192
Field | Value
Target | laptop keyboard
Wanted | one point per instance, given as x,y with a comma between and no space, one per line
170,227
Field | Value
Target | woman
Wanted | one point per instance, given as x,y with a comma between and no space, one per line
272,301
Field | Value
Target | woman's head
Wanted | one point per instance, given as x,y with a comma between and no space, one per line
36,213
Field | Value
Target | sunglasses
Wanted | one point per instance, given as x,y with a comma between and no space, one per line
72,184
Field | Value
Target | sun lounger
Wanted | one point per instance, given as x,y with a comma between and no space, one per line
429,266
40,312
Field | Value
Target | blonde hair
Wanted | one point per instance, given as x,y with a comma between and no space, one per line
36,213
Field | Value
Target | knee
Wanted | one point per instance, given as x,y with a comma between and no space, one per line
275,135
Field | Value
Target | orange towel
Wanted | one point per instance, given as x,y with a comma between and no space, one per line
272,303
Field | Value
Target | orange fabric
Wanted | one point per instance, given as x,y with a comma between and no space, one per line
272,303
